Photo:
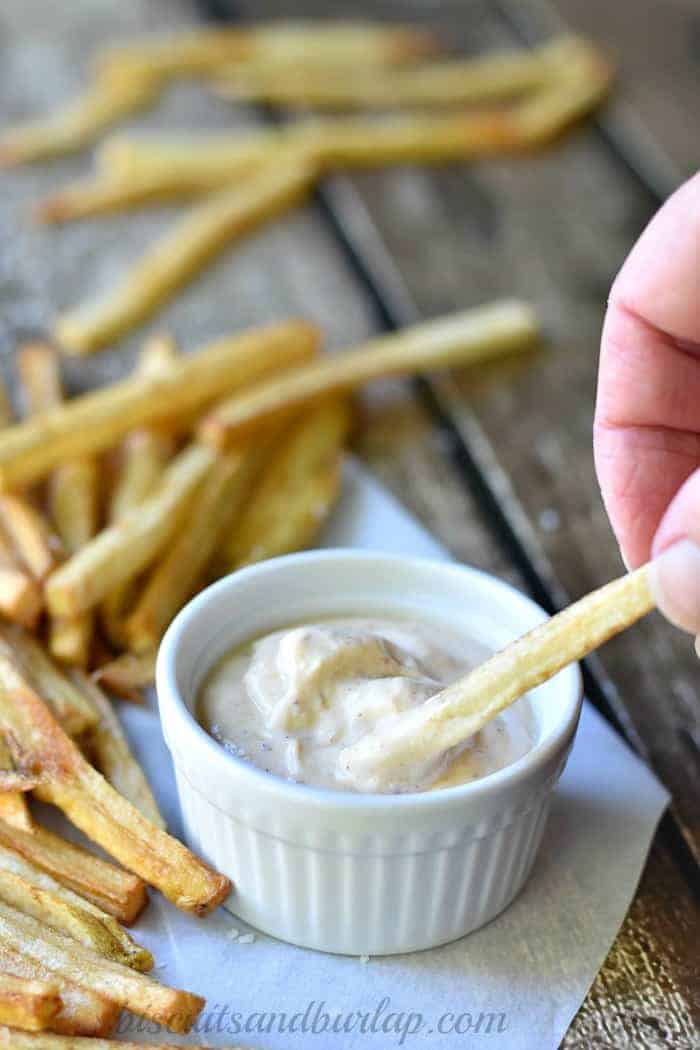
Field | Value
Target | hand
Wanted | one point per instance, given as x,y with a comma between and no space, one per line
647,425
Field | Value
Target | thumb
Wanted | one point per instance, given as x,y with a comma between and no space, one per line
675,573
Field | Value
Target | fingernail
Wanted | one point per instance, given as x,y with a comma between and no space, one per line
675,582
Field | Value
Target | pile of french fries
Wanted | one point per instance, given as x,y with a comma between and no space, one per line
443,110
116,506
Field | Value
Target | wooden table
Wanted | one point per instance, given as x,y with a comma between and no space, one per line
497,464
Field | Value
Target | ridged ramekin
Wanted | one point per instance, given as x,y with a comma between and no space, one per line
343,872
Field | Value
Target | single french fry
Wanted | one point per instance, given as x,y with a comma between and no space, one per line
131,160
83,1013
419,736
99,811
30,1005
77,916
285,42
66,913
73,499
206,161
36,543
582,83
455,82
13,805
459,339
174,260
297,488
128,674
175,578
175,1009
121,551
97,420
158,351
113,756
117,892
21,598
105,102
70,706
39,373
49,1041
145,455
105,194
70,639
101,195
145,450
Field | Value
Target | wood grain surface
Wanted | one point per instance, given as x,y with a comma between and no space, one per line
553,229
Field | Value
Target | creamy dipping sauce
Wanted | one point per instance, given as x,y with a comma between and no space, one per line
292,701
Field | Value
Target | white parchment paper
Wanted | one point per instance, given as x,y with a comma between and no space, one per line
514,985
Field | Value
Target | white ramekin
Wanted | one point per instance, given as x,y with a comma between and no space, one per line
342,872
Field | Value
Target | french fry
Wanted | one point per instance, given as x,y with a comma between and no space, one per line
21,598
144,455
175,578
105,102
78,917
38,369
72,497
103,195
118,553
456,82
175,1009
119,893
69,705
49,1041
82,1012
95,421
146,450
38,546
127,674
297,488
287,43
420,736
99,811
133,160
174,260
207,161
113,756
73,493
459,339
582,84
13,805
201,163
30,1005
64,911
